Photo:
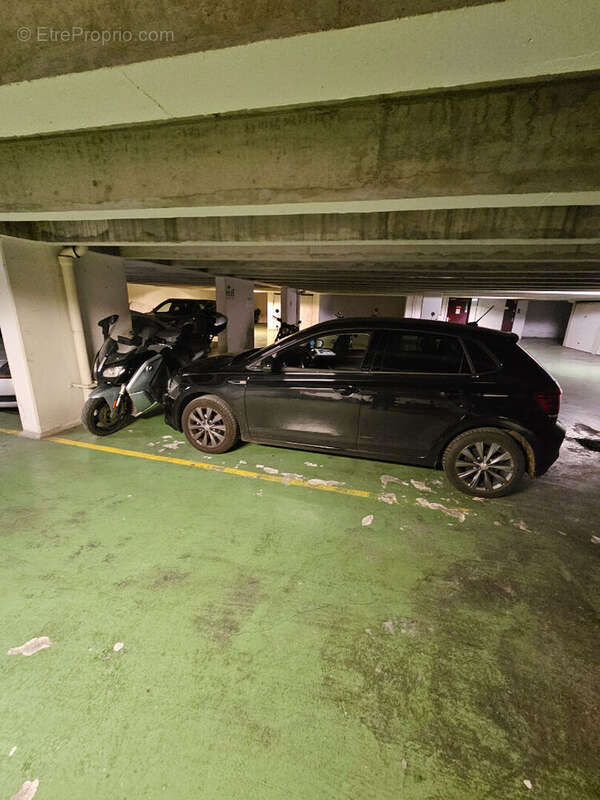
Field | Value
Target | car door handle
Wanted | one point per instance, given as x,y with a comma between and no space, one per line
345,390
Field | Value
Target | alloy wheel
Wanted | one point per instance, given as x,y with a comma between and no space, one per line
484,466
207,427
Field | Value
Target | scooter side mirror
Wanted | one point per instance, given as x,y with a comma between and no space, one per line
220,323
106,323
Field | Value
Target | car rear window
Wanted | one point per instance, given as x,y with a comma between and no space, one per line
408,351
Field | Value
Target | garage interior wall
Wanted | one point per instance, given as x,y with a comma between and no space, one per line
102,291
547,319
37,336
360,306
583,331
145,297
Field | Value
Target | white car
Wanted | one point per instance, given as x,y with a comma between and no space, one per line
7,389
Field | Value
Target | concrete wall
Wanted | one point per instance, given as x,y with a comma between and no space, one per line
547,319
431,308
102,291
583,331
235,299
144,297
37,337
360,306
493,319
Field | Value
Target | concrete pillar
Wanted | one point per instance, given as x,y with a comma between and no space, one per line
431,308
102,291
290,305
235,299
36,330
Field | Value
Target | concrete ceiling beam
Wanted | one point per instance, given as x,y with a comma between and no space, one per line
550,224
525,139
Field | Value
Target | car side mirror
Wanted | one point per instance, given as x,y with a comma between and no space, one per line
271,364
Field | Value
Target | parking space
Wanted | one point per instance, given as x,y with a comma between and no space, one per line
239,620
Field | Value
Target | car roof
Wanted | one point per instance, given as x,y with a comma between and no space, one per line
409,323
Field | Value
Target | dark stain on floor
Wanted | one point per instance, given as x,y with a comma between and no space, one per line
221,622
484,688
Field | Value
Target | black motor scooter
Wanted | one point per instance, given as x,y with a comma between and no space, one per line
132,371
286,328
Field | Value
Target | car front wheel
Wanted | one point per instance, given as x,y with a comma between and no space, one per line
485,462
209,425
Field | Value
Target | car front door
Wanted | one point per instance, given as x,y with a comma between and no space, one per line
417,390
312,395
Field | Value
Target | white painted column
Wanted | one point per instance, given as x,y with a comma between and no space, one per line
235,299
414,304
290,305
36,330
431,308
102,291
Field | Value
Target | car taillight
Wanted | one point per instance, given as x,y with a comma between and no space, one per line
549,402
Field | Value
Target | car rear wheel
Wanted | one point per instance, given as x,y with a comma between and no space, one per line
485,462
209,425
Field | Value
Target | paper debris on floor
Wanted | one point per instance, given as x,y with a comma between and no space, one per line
118,646
367,520
27,791
458,513
422,487
13,750
31,647
387,497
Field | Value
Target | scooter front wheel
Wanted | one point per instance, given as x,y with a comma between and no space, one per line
101,420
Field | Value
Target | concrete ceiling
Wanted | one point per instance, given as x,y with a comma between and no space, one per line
442,146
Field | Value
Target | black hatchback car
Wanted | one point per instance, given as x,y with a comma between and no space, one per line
458,397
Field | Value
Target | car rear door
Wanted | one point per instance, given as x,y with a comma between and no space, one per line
314,397
417,390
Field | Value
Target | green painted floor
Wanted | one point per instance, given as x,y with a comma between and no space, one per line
275,647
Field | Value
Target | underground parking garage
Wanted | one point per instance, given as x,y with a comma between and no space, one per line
300,400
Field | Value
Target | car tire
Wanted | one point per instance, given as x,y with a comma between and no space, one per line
484,462
96,416
209,425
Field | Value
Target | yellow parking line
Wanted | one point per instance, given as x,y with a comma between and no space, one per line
183,462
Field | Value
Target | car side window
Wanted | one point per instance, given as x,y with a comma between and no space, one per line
164,308
481,358
343,350
409,351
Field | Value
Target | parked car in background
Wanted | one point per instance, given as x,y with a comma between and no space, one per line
7,389
176,312
462,398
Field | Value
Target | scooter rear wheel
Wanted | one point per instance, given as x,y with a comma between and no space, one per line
99,418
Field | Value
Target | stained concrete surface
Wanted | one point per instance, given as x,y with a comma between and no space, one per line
197,26
274,646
